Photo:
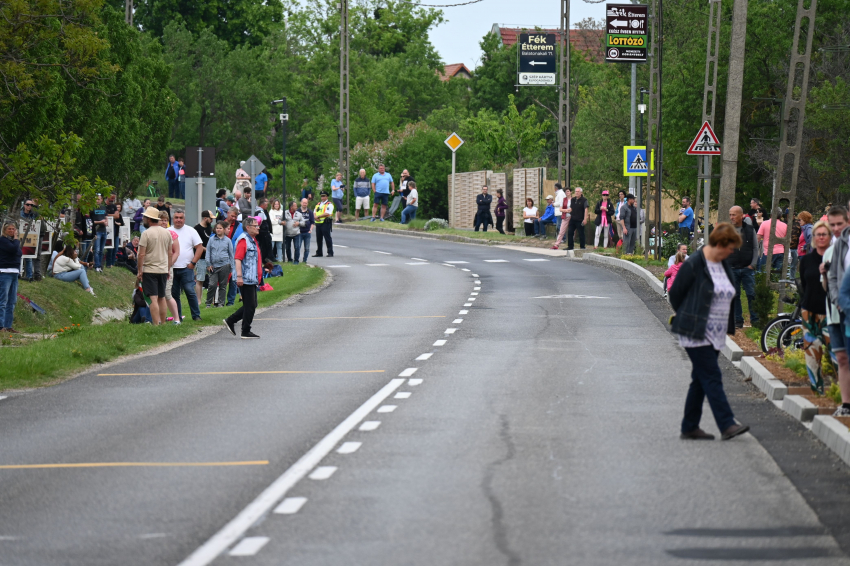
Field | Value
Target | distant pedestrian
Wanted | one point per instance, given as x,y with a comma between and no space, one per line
10,270
265,235
324,224
801,239
172,175
131,205
629,221
547,218
382,185
778,248
99,225
362,189
204,229
743,263
308,220
32,267
276,218
686,219
671,272
246,207
621,202
249,271
137,216
307,190
404,186
155,260
566,214
604,216
117,223
702,296
409,212
482,215
337,192
501,207
578,219
671,261
529,217
292,221
181,179
813,304
191,250
220,265
560,195
261,182
832,264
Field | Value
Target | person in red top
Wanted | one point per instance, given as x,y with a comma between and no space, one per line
249,272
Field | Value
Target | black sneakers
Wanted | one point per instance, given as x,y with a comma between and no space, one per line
250,336
229,327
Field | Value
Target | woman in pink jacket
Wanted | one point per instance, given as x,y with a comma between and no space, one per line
671,272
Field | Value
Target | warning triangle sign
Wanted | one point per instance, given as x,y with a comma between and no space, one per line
706,142
638,164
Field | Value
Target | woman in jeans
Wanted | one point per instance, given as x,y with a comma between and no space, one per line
293,221
702,297
813,304
68,268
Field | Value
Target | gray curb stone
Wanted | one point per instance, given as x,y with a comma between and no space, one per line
774,389
799,407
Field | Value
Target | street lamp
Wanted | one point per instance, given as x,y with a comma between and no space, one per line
284,120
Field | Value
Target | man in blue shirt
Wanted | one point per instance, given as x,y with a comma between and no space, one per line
172,175
548,216
686,219
337,189
382,184
260,182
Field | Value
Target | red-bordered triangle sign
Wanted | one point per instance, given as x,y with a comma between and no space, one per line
706,142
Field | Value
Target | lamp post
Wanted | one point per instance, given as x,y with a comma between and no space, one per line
284,121
642,110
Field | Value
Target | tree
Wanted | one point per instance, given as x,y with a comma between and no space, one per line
514,138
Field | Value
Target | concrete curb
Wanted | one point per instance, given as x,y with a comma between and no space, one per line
799,407
774,389
834,434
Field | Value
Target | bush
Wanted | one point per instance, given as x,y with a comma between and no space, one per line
670,244
762,305
436,224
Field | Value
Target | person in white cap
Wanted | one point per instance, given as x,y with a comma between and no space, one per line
243,179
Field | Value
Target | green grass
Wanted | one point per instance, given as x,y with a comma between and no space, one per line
43,362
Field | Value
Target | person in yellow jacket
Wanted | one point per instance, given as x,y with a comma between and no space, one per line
324,223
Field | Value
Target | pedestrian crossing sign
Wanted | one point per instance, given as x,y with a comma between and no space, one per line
634,160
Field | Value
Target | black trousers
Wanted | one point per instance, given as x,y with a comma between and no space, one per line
571,229
500,224
246,311
323,232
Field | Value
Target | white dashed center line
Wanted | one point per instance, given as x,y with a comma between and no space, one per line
408,372
457,262
447,264
464,269
322,473
369,426
476,288
463,312
440,343
473,294
496,261
385,253
471,298
339,266
290,505
477,282
467,304
3,397
249,546
424,356
418,259
451,330
414,382
457,321
475,275
402,395
377,264
349,447
535,259
417,263
386,408
341,246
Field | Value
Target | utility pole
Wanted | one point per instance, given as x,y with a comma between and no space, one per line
128,15
732,121
343,98
709,98
653,130
564,99
789,153
633,180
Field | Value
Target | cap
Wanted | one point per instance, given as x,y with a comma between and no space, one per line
241,163
550,197
323,194
605,193
206,214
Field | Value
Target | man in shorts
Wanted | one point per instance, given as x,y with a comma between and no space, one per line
362,189
382,183
337,191
154,262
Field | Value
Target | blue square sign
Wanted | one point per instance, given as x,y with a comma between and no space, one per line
634,160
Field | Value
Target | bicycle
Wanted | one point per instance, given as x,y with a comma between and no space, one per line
770,336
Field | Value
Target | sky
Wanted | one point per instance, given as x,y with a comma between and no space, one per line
457,39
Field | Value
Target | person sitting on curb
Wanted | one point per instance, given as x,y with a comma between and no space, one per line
547,218
68,268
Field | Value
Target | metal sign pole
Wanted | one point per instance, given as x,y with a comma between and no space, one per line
454,204
199,184
253,196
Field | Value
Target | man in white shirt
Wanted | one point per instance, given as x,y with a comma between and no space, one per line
191,249
559,200
131,205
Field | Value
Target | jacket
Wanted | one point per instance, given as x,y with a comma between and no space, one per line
609,210
176,169
690,296
63,263
548,214
251,261
293,223
362,187
747,254
220,252
671,273
10,253
501,207
835,275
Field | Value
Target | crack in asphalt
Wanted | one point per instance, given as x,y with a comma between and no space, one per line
500,530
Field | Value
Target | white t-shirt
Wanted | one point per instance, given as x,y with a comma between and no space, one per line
189,238
414,194
559,200
531,212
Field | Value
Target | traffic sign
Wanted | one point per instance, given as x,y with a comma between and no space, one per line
537,62
634,161
706,142
626,38
454,142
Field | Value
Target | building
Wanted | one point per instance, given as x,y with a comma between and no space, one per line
587,41
454,70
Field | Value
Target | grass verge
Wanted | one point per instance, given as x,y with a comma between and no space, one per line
43,362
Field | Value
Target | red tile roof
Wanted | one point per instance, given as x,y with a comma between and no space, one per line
588,41
454,70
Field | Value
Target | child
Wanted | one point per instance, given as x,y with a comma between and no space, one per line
220,264
670,274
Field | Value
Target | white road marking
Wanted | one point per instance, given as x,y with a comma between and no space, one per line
473,294
417,263
3,397
385,253
440,343
535,259
369,426
419,259
458,262
249,546
463,312
408,372
402,395
471,298
322,473
349,447
414,382
476,288
290,505
569,297
496,261
341,246
339,266
377,264
386,408
237,527
451,330
145,536
447,264
467,304
424,356
475,275
464,269
477,282
457,321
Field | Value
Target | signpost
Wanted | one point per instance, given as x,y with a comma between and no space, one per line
536,62
705,144
454,142
201,161
626,32
255,167
634,161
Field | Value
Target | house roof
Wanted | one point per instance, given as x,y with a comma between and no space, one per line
454,70
588,41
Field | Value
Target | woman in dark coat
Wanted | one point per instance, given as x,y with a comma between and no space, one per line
604,214
702,297
501,207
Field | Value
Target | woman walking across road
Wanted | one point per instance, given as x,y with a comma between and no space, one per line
604,215
501,207
702,296
813,304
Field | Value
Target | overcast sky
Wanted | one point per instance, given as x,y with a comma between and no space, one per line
457,39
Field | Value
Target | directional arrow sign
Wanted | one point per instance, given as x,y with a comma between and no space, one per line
706,142
619,23
536,63
626,33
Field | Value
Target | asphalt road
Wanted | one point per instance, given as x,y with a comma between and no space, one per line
543,431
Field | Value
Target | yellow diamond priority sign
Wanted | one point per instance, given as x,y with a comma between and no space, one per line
454,142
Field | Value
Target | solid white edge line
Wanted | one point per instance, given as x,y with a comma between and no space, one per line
418,259
237,526
408,372
290,505
249,546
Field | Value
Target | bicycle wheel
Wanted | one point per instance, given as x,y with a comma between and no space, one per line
791,337
771,332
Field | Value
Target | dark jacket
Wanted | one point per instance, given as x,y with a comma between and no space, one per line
10,253
743,256
483,215
579,206
501,207
691,294
609,211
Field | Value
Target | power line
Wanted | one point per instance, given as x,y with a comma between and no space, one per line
439,5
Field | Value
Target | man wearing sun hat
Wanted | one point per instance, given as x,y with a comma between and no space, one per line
154,263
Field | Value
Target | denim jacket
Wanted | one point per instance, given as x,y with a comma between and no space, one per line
249,264
220,253
691,294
